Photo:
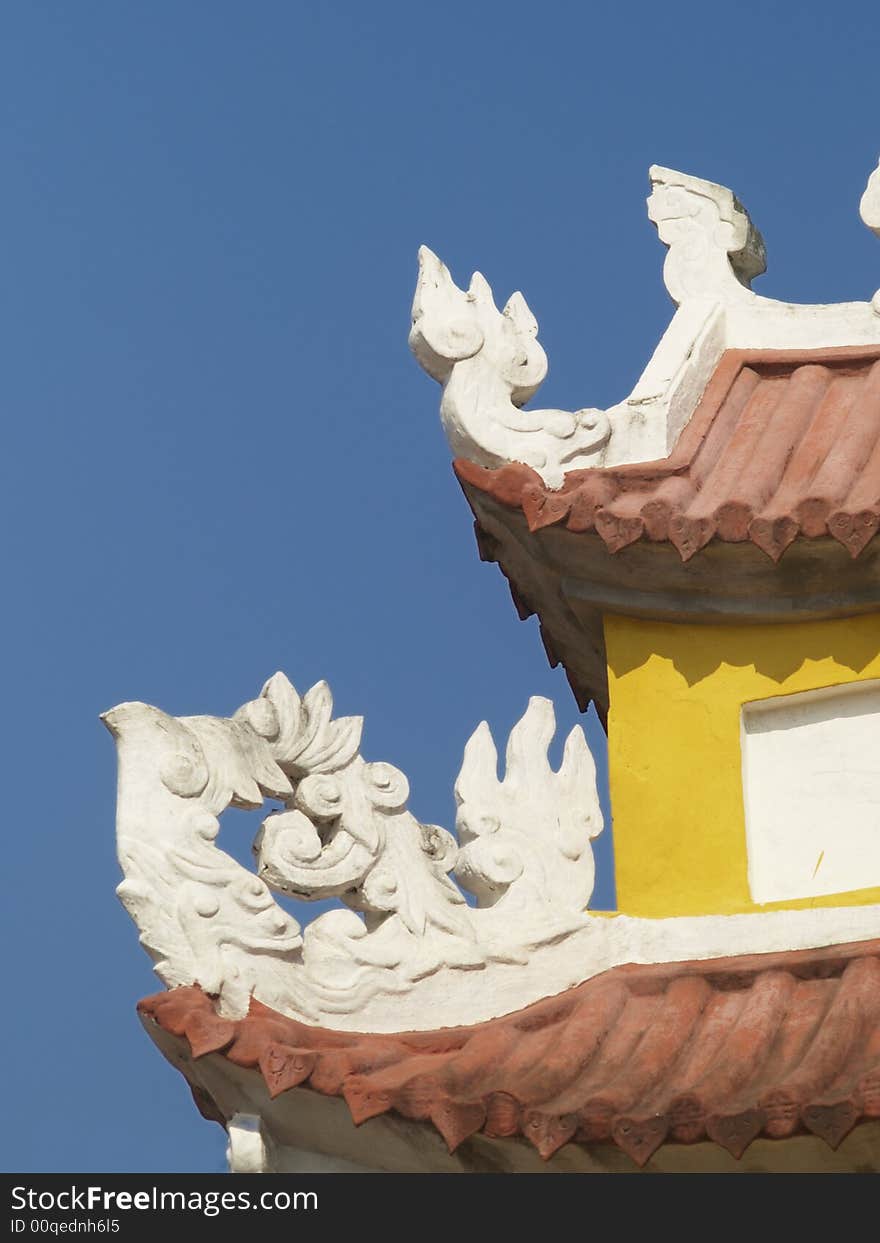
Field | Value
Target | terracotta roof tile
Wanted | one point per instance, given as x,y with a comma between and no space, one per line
782,444
725,1050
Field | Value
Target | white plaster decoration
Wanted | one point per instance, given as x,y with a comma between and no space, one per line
202,917
714,253
406,952
247,1150
870,204
530,868
811,780
344,832
870,212
490,364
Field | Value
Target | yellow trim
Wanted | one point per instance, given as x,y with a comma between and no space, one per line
674,755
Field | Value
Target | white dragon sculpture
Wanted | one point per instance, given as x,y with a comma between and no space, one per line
344,831
404,949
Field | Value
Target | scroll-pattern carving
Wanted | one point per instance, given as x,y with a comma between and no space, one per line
344,831
490,364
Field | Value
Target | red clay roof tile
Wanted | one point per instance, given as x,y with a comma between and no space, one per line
725,1050
782,444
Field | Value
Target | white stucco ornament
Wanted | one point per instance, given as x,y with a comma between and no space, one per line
344,831
404,950
714,249
490,363
247,1150
870,212
870,204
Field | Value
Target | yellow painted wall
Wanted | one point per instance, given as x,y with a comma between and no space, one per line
674,749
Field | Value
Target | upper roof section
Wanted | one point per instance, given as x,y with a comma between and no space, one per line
782,444
490,362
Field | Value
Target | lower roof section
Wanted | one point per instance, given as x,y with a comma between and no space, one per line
724,1051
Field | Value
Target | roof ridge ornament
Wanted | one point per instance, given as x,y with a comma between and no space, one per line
344,831
406,951
869,208
490,362
714,248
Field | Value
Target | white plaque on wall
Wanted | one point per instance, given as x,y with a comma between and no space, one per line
811,788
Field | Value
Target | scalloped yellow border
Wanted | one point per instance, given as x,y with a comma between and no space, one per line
676,691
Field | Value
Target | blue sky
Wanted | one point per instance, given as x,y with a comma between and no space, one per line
220,458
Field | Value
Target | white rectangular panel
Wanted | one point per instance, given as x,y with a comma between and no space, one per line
811,787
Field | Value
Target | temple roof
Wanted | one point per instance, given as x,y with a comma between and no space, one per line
725,1050
782,444
752,432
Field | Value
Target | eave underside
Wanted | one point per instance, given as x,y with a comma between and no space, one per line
569,579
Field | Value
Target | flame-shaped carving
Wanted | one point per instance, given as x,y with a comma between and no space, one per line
344,832
490,363
526,839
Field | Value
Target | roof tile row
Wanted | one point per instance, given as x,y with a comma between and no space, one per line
781,445
725,1050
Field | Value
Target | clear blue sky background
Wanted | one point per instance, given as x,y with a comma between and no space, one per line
220,459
